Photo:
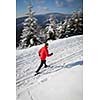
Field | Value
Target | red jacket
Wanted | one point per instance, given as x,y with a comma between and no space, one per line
43,53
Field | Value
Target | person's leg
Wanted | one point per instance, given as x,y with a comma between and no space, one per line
45,64
40,66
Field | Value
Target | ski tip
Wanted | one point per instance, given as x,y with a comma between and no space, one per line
36,73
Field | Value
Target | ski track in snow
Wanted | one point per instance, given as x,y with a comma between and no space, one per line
67,52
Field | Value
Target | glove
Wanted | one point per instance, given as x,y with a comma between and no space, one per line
51,54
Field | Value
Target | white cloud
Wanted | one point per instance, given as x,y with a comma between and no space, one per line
42,10
39,1
69,1
59,3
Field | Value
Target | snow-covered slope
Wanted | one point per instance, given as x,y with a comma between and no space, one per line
61,81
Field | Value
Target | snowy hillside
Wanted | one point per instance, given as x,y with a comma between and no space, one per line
61,81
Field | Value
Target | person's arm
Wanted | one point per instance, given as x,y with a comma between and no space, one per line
39,52
47,54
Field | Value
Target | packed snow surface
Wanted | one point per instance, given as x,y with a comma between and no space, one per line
61,81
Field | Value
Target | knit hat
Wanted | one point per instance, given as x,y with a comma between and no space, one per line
46,44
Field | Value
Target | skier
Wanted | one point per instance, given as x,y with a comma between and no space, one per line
43,53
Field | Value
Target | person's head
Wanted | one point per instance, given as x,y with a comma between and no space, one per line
46,44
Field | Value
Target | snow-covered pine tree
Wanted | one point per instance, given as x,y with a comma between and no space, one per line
77,23
51,28
61,27
67,26
73,25
28,37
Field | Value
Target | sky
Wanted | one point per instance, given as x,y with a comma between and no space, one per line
48,6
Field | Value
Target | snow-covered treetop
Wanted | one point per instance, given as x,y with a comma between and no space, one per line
52,20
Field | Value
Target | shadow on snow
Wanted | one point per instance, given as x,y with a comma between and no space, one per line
57,68
74,64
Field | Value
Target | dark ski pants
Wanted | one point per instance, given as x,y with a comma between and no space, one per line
42,62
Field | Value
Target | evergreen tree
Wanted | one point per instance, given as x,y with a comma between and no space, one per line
29,29
77,24
51,28
73,25
61,27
